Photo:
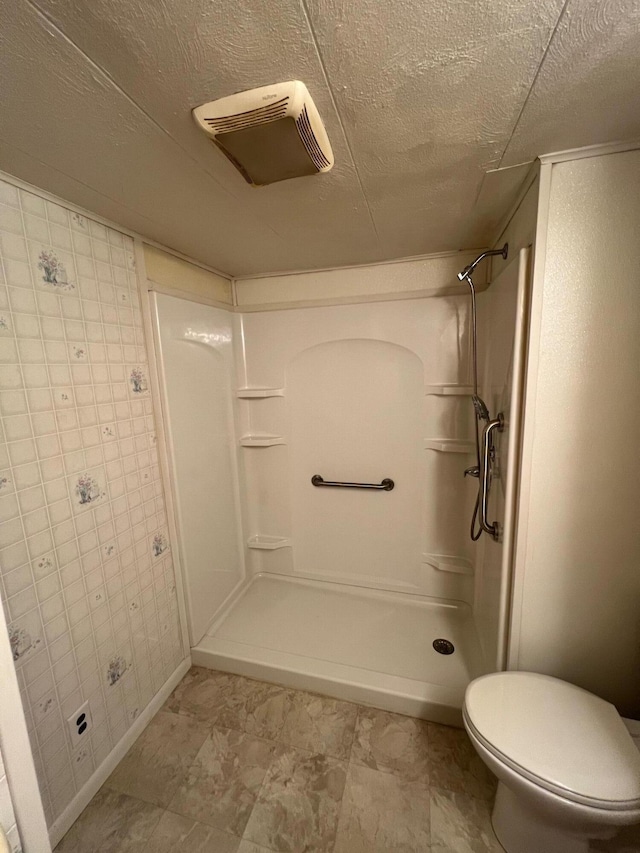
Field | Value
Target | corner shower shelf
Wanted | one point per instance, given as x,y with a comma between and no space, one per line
449,445
268,543
449,563
449,390
261,440
259,393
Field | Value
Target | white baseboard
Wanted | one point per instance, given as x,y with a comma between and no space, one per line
82,799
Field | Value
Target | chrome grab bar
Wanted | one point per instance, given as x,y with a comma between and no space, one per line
385,485
487,453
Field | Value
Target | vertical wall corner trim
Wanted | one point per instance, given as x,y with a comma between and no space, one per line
17,757
163,436
528,428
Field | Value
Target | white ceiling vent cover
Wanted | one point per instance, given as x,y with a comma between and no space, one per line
269,134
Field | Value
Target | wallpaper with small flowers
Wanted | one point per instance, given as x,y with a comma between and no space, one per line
86,575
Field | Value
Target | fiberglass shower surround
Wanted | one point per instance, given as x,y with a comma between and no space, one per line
342,590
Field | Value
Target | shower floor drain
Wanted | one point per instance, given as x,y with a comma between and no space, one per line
444,647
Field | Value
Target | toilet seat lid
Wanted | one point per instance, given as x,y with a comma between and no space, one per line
565,738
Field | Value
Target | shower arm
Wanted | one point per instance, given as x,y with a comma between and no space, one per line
466,272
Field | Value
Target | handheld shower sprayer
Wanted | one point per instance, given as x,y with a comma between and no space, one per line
481,408
483,469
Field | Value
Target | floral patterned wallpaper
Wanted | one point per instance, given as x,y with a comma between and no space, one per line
86,576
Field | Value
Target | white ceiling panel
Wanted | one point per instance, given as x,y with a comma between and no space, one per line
64,111
588,88
420,100
428,93
171,56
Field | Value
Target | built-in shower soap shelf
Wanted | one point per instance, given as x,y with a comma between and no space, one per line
451,390
261,542
261,440
449,563
259,393
449,445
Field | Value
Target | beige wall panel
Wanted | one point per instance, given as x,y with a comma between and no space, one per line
173,272
581,584
428,276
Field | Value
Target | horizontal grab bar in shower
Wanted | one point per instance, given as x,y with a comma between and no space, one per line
384,486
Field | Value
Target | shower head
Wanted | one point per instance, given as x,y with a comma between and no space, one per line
466,272
481,408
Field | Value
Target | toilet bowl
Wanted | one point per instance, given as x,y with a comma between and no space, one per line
568,769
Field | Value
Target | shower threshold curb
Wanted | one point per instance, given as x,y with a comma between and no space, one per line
390,693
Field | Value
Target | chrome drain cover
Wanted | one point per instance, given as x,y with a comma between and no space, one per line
444,647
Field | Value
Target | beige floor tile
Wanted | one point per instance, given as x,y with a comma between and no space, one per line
200,694
299,803
157,762
382,812
455,765
211,757
111,823
461,824
222,785
391,743
231,702
255,707
177,834
320,724
250,847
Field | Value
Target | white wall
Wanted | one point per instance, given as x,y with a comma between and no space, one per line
358,405
503,312
7,816
502,325
21,813
195,344
578,555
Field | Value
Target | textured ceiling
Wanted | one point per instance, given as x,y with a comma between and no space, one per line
420,99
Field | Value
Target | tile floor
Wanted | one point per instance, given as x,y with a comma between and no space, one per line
231,765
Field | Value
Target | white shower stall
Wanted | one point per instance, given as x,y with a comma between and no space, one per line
343,590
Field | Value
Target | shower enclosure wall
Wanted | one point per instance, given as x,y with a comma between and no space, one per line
337,589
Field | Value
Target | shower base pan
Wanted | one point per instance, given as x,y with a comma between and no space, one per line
367,646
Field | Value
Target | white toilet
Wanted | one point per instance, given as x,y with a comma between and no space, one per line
567,765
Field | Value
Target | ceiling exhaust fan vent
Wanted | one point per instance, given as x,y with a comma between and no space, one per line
226,124
269,134
307,135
